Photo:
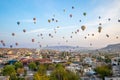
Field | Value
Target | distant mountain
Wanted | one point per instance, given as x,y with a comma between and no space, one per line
68,48
111,48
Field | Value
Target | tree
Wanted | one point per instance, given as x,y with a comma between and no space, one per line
104,70
18,65
9,70
60,73
38,76
42,69
32,66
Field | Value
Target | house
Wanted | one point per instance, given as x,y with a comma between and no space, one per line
112,78
4,77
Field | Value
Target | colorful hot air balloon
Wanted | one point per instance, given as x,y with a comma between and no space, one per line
83,27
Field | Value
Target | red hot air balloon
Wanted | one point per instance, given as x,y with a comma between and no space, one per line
33,40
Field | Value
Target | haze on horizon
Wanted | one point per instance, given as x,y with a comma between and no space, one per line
23,11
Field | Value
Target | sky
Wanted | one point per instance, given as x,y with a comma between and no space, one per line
23,11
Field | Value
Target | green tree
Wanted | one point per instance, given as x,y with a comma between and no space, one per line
42,69
60,73
32,66
18,65
9,70
38,76
104,70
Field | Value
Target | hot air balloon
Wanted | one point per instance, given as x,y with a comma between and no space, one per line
116,37
90,44
99,17
84,14
40,46
11,46
50,34
100,23
52,19
83,27
99,29
18,23
13,34
41,34
49,20
2,41
16,44
64,10
33,40
92,34
70,36
85,37
107,35
34,19
70,15
3,44
58,27
24,30
72,7
109,19
79,20
56,20
77,30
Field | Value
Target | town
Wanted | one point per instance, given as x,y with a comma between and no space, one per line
43,64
